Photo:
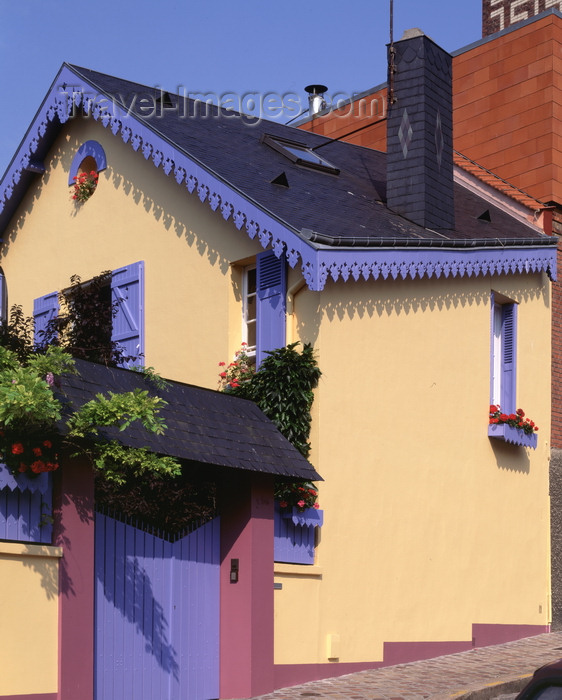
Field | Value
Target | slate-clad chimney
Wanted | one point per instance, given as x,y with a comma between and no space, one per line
420,132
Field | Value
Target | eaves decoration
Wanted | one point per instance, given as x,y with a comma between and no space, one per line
317,262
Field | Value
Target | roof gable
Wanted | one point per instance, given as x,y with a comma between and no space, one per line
332,225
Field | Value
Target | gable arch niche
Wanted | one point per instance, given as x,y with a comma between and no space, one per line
90,156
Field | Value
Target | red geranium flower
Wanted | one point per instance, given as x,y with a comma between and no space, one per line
17,448
38,466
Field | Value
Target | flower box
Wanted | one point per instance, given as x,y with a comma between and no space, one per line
515,436
309,517
295,534
24,482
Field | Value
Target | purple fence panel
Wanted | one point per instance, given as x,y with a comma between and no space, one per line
25,515
157,613
294,535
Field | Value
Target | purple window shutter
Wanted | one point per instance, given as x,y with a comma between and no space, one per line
3,299
44,309
271,291
127,289
509,337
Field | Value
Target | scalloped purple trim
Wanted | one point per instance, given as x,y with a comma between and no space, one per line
317,264
515,436
23,482
309,517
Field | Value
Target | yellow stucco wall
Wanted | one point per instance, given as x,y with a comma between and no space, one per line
429,525
29,614
136,213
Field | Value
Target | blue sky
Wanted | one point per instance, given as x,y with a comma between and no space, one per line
211,46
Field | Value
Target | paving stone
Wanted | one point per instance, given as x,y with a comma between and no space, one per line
479,674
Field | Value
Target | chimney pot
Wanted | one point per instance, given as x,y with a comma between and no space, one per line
316,101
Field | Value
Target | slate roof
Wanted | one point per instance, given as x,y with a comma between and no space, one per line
203,426
346,209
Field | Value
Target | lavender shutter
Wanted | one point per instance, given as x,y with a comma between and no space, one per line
3,299
44,309
271,292
127,290
509,317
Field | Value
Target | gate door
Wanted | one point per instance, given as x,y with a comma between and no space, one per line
157,614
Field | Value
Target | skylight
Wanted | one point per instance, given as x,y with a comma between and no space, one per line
299,153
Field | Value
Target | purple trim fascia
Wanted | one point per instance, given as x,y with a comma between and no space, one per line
23,482
88,148
515,436
401,263
316,263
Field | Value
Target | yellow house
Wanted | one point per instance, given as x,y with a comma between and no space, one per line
425,294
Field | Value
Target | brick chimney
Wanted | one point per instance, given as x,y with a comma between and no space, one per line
420,132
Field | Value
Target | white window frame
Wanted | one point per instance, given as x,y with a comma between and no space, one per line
246,296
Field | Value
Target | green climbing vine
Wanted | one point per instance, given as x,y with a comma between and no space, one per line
283,388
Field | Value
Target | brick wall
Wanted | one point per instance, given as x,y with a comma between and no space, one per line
499,14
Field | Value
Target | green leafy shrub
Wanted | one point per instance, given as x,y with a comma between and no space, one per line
283,388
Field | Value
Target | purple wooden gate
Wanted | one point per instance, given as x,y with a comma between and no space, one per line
157,613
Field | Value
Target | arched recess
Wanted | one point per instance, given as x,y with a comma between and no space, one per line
88,150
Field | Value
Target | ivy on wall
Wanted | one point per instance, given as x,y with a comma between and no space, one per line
283,388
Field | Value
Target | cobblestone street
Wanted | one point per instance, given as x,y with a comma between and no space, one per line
479,674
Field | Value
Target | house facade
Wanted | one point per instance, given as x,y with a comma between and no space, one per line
506,97
427,297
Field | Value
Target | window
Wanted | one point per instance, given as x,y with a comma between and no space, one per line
299,153
503,361
126,291
249,309
503,375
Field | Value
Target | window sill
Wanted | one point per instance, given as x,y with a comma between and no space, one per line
311,571
16,549
507,433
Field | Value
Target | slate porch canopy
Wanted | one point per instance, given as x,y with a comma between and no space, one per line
203,426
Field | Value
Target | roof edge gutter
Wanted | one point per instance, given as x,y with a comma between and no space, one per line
383,242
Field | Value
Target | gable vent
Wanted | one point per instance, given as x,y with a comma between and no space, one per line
485,216
165,100
281,180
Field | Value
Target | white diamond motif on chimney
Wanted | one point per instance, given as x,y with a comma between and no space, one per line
405,133
439,141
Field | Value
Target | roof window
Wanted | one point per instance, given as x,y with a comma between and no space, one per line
299,153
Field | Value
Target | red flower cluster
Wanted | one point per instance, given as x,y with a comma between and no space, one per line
27,453
299,495
85,185
240,370
515,420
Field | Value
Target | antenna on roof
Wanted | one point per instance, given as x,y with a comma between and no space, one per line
391,55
